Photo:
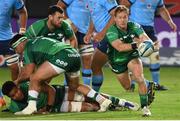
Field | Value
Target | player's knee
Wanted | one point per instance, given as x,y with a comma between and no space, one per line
127,87
86,50
154,58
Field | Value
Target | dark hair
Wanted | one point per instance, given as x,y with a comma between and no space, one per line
120,9
53,9
7,87
15,38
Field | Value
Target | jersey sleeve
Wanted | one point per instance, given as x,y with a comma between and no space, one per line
19,4
112,34
66,2
109,4
138,30
34,29
67,30
15,106
160,4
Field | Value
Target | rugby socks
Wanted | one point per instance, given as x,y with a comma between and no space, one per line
143,100
155,72
97,81
95,96
86,76
32,97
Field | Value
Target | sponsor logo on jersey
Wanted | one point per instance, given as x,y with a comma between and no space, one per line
61,63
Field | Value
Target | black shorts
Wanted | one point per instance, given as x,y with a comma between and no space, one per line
150,31
5,48
80,38
103,46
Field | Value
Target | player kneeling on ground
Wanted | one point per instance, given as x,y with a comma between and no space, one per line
57,99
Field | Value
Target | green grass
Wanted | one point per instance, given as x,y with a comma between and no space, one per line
165,107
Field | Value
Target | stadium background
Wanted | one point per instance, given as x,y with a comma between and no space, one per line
167,103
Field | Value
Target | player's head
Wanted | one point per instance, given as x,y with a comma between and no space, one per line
121,16
18,42
55,15
10,89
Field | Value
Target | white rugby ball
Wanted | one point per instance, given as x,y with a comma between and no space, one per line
146,48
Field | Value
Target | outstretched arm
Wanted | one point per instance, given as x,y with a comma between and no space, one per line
23,16
166,16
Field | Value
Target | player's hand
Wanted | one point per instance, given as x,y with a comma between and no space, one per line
87,38
16,82
156,46
173,26
97,37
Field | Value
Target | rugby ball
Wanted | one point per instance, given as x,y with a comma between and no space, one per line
146,48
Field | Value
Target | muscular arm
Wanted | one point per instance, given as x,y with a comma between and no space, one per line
25,73
99,36
120,46
23,16
73,41
125,2
166,16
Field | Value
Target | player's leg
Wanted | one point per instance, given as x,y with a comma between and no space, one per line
72,106
135,65
86,51
98,61
44,72
120,102
154,60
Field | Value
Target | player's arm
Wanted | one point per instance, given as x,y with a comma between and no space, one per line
89,34
127,3
73,41
115,41
23,20
99,36
166,16
25,73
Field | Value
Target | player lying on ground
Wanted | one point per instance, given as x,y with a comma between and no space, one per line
65,100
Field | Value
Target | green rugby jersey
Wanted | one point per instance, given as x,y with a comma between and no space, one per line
114,33
16,106
40,28
41,49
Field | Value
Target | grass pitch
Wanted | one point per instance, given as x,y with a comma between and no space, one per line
165,107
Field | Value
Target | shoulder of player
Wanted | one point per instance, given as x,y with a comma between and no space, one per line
133,24
40,23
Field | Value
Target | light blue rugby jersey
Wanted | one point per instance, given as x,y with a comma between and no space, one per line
99,10
143,11
6,9
78,13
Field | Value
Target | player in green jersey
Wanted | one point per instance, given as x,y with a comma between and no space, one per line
65,100
46,58
123,38
54,27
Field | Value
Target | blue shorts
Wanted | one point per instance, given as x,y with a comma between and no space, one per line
5,48
103,46
150,31
80,38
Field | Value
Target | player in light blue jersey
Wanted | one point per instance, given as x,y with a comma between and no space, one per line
143,12
101,15
6,10
78,16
